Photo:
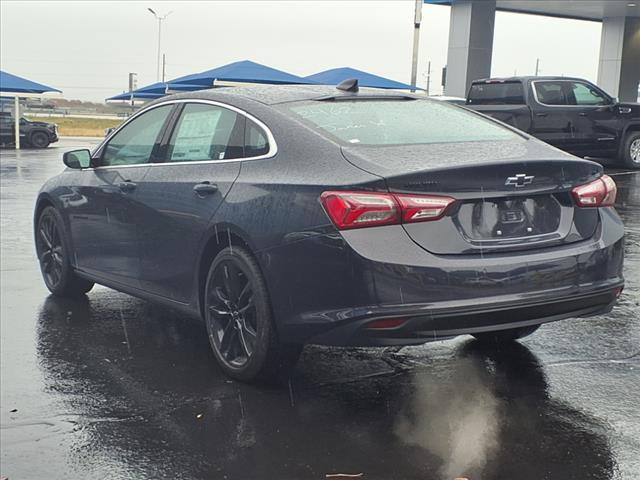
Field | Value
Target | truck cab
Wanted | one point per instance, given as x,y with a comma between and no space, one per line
569,113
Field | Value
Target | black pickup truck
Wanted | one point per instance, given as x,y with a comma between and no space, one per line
569,113
32,134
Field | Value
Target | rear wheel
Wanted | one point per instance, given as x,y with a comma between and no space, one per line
504,336
39,140
631,151
53,255
239,321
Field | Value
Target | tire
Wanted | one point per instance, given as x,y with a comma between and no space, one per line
505,336
239,320
39,140
631,151
52,247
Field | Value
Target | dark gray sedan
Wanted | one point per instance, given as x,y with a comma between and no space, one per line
295,214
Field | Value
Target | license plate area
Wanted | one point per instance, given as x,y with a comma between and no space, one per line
508,218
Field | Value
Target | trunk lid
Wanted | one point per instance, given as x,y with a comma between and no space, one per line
510,195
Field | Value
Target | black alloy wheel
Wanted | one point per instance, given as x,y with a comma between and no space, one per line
239,322
53,257
232,313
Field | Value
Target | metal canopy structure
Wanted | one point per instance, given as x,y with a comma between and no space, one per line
594,10
365,79
16,87
244,71
471,39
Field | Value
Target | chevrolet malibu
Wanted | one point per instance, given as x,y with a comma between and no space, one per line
286,215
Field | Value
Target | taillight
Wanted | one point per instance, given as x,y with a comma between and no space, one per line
599,193
367,209
421,208
360,209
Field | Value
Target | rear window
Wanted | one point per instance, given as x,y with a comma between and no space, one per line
398,122
503,93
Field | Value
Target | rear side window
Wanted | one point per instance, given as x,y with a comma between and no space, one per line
551,93
502,93
207,132
398,122
255,140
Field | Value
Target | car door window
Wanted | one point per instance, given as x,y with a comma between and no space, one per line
255,142
550,93
583,94
207,132
134,143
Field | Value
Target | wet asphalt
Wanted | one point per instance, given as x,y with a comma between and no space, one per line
117,388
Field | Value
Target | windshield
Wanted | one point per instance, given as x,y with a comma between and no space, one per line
398,122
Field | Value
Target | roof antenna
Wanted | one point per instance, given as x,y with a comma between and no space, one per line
349,85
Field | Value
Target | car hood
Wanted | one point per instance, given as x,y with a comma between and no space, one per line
41,124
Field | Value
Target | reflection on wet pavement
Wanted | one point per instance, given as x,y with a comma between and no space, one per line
113,387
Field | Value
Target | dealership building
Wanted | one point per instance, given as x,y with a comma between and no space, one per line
471,39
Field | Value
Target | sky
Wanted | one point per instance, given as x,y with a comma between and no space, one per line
88,48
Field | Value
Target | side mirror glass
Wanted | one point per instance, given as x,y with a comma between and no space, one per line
77,159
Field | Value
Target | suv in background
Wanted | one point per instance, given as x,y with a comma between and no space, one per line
569,113
32,134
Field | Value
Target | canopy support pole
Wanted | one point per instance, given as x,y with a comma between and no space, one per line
416,43
16,118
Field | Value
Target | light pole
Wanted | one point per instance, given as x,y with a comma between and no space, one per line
160,18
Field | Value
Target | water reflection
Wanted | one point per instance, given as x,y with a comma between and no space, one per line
149,402
490,415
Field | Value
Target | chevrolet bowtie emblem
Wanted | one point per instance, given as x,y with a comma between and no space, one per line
519,180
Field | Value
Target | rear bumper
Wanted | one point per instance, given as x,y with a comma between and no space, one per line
442,323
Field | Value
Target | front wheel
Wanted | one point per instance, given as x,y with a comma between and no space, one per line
240,325
505,336
39,140
53,255
631,151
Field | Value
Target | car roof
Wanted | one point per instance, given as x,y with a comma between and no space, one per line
525,78
276,94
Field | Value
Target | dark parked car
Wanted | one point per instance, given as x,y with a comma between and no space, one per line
289,215
32,134
568,113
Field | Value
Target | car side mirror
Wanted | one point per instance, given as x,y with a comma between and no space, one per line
77,158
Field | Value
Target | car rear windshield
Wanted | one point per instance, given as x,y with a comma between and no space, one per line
499,93
398,122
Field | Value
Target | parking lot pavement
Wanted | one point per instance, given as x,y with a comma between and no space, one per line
113,387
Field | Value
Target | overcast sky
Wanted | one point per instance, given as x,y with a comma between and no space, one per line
88,48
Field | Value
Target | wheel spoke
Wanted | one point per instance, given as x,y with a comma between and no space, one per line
249,329
45,237
217,311
228,336
243,342
246,307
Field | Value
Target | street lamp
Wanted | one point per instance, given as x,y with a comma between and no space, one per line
160,18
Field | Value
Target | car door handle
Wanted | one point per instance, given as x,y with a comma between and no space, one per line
541,114
127,186
205,188
582,114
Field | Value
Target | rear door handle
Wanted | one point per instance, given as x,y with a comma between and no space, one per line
582,114
205,188
541,114
127,186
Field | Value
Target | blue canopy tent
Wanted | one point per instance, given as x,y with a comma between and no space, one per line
244,71
336,75
150,92
16,87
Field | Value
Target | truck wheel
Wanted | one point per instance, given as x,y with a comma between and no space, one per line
39,140
631,151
